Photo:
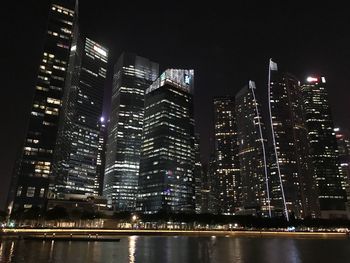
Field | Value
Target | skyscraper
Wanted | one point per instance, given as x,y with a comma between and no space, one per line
168,156
343,143
75,157
226,175
293,185
101,155
255,192
323,148
132,76
31,178
205,196
198,175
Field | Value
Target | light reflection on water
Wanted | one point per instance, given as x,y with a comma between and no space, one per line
143,249
132,248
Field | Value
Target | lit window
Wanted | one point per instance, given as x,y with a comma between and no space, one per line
30,191
19,191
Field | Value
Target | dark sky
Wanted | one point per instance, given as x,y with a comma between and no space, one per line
225,44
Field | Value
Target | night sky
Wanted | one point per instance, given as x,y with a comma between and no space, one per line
225,45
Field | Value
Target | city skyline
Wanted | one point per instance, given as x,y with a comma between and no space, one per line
200,116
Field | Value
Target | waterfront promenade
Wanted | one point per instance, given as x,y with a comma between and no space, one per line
20,232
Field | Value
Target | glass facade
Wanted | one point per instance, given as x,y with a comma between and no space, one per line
132,76
252,157
198,175
75,158
225,178
101,155
343,143
166,181
323,148
31,178
292,147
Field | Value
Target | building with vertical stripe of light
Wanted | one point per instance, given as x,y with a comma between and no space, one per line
132,76
167,181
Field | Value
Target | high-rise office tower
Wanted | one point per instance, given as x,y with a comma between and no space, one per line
205,190
167,155
101,155
343,143
293,185
255,192
226,175
210,182
75,157
31,178
323,148
198,175
132,76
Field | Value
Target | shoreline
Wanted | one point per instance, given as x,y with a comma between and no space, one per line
16,232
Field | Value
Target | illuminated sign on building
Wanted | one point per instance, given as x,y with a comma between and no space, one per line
179,78
100,51
311,79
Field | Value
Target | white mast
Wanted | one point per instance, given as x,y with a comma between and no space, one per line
252,87
273,66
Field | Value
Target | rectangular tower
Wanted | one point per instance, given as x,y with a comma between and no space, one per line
251,139
167,154
198,175
226,172
75,158
31,179
293,182
132,76
323,148
343,143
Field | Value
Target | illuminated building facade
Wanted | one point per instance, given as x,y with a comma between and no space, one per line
31,179
323,148
75,157
198,175
166,181
255,193
226,172
205,190
132,76
343,143
293,184
101,155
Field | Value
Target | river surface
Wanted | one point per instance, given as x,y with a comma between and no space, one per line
182,249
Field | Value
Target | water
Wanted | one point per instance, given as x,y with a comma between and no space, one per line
182,249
